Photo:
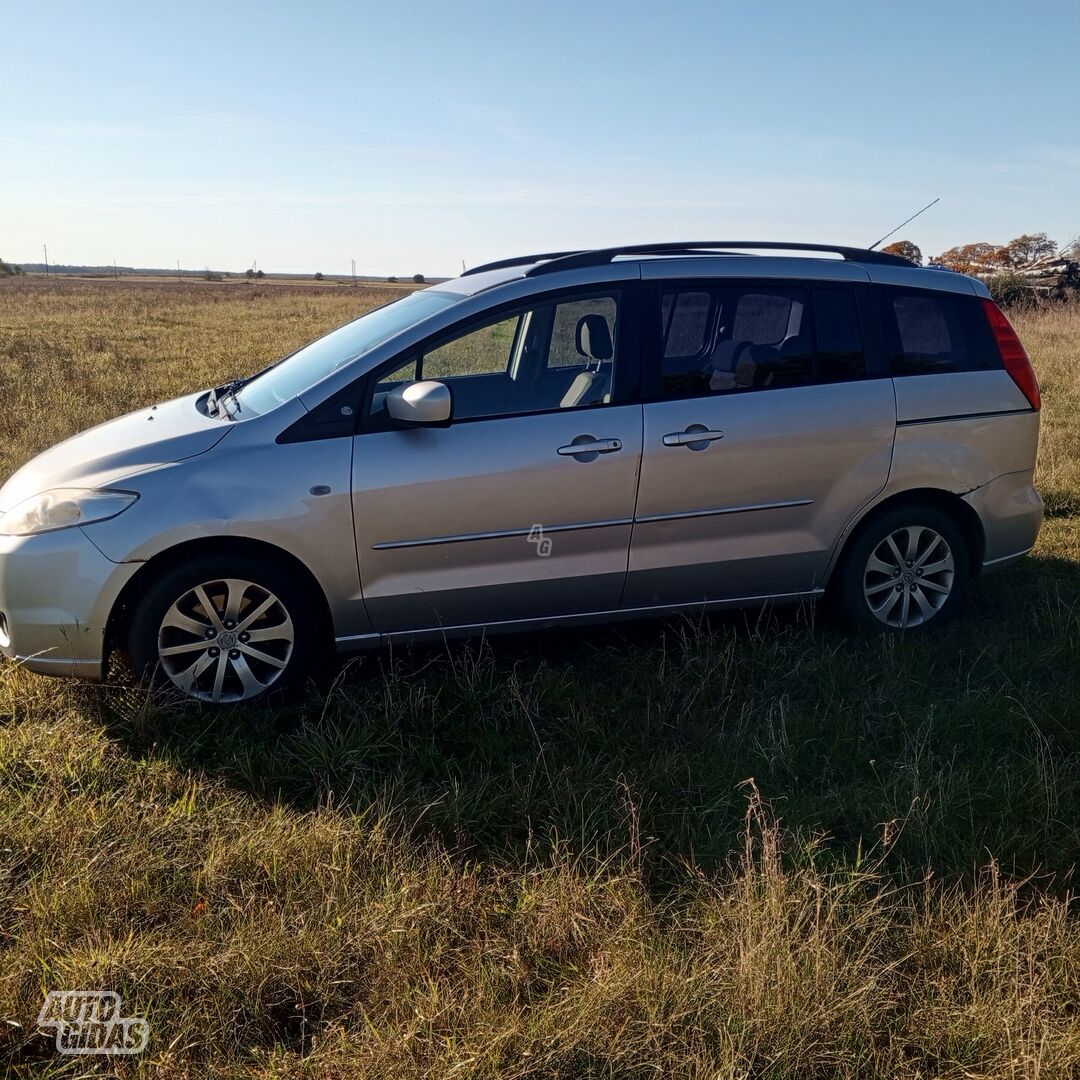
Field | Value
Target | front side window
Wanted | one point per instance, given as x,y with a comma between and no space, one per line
559,354
311,364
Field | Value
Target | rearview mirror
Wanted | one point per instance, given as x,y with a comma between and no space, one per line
426,402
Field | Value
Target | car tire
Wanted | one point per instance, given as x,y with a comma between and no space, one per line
905,570
225,629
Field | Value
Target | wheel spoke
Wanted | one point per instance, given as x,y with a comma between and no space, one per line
914,535
176,619
266,658
187,678
885,608
938,567
933,586
219,677
235,591
905,610
931,548
256,613
873,590
879,567
928,610
895,551
281,632
251,685
178,650
209,609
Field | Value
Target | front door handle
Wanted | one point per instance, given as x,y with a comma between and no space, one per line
695,437
588,448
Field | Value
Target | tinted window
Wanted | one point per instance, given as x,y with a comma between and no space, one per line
928,332
686,318
839,337
763,318
735,338
556,355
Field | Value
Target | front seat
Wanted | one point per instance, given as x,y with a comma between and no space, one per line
590,387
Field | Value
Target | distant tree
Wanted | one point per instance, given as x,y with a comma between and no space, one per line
419,279
391,278
968,257
9,270
250,274
318,276
1025,250
259,274
906,250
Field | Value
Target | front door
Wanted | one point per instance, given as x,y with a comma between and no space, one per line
520,508
764,436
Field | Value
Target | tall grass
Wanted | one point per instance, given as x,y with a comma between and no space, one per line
750,846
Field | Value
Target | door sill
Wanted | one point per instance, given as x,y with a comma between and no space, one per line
359,642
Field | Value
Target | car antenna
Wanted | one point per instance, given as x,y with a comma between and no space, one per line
903,223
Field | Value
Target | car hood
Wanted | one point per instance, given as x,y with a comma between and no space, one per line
161,435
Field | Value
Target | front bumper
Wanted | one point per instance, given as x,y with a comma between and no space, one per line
56,593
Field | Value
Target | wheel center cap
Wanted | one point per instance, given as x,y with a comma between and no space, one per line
909,577
227,641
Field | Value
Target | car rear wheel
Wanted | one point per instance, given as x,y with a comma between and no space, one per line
907,568
225,630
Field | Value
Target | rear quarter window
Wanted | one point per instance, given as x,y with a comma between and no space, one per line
928,332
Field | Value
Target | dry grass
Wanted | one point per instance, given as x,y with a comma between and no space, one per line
544,859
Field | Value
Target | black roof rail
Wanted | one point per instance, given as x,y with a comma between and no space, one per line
519,260
605,255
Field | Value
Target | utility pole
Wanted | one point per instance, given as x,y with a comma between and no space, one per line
115,272
354,271
178,270
45,248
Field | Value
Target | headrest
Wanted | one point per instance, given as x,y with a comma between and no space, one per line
593,337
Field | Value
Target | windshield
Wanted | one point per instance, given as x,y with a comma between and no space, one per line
312,363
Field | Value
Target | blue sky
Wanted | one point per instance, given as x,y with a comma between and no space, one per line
414,135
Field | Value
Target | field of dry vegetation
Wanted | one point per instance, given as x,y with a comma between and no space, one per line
745,847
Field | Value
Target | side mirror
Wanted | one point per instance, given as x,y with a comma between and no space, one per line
421,403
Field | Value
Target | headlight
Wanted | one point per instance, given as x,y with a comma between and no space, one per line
63,508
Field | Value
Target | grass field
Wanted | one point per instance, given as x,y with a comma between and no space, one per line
743,847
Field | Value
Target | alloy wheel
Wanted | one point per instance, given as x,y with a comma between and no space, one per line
909,576
225,640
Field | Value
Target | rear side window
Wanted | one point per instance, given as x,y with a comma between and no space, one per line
686,321
756,337
840,351
931,332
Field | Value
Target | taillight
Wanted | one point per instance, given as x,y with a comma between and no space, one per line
1013,355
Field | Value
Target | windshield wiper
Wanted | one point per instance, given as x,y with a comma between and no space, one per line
219,397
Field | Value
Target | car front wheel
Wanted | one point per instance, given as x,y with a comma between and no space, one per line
224,630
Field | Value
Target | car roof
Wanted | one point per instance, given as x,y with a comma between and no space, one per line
715,259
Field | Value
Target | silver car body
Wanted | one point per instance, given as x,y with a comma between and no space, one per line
427,532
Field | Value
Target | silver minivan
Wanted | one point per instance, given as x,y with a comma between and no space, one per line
554,439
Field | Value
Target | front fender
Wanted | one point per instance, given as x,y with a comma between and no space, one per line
263,492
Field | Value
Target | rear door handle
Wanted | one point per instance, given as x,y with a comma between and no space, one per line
586,447
696,437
